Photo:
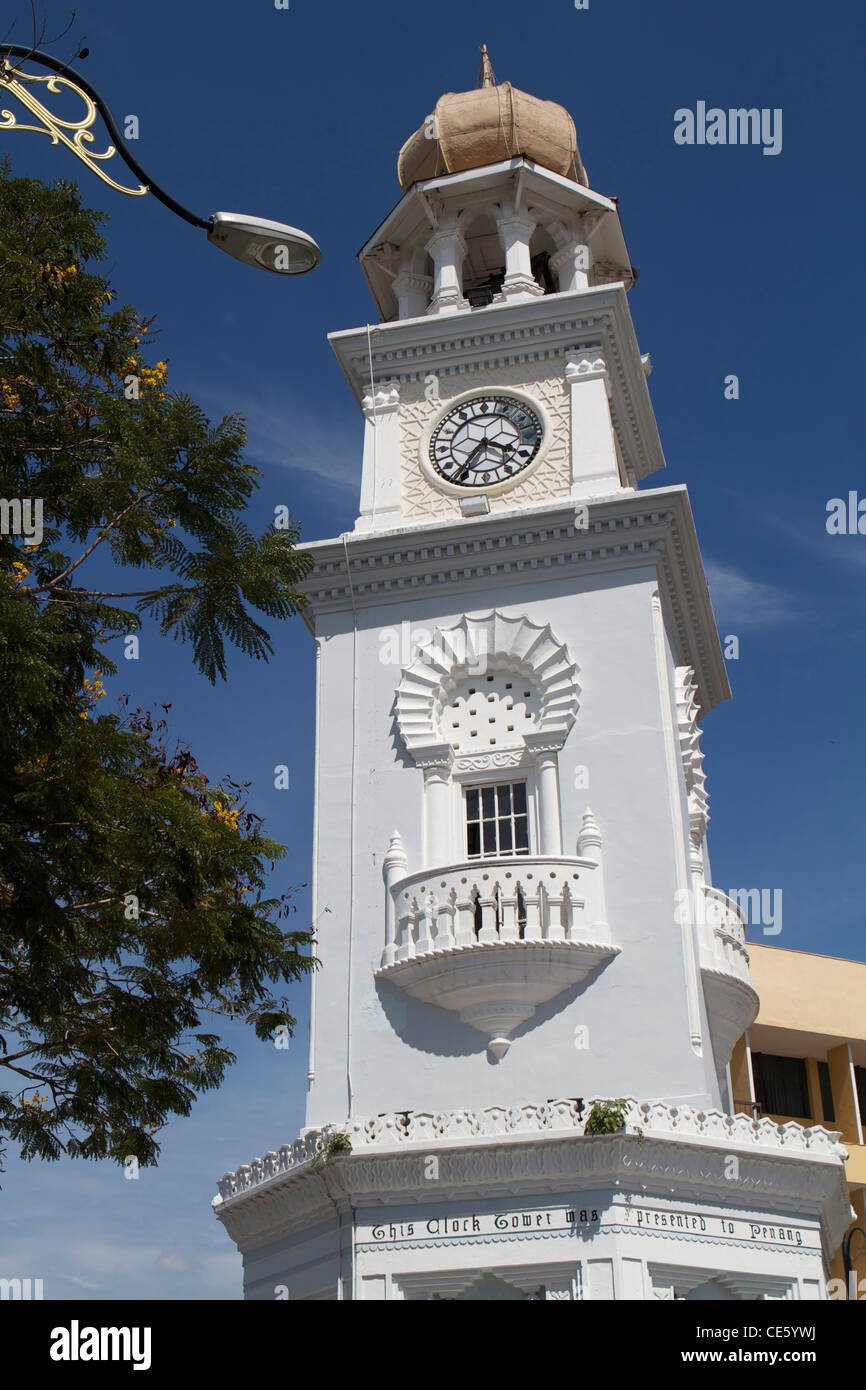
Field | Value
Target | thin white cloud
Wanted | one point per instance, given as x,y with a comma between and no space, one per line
738,599
850,550
174,1263
283,432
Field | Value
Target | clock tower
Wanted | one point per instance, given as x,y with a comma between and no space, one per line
529,988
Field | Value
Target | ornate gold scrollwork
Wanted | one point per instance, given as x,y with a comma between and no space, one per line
13,80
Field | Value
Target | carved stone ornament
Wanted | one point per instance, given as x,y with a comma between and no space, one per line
688,712
487,642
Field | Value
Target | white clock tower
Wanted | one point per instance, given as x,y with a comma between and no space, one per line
519,939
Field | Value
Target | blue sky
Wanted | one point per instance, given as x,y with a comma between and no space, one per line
750,264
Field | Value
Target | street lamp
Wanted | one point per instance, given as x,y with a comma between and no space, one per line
846,1257
256,241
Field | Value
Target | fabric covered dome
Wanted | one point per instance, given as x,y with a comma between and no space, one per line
492,123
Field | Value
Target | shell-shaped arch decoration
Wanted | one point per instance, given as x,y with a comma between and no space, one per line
488,642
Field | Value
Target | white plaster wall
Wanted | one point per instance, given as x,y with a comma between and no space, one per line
398,1053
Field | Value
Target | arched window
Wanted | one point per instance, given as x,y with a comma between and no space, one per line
484,710
484,262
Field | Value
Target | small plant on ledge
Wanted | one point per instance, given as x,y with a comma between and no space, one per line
606,1117
338,1145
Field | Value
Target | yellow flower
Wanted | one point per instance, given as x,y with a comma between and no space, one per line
151,377
224,813
58,274
20,572
33,764
11,399
95,689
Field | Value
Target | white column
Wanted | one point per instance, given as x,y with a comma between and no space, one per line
571,265
394,867
412,286
437,798
594,461
448,249
550,825
516,230
380,471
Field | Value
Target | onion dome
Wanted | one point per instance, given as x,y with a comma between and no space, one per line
494,122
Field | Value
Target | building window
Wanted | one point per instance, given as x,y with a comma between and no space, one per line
860,1079
780,1084
496,820
827,1105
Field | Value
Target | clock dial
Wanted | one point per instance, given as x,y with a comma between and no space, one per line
484,441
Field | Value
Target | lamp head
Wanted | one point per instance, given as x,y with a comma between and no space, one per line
271,246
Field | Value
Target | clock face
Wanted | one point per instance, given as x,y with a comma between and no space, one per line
484,441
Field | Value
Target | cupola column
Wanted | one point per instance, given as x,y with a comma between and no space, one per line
412,287
516,230
447,248
571,266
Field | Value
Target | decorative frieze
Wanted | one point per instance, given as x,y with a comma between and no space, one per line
655,1119
688,714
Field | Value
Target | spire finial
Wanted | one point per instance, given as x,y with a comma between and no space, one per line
486,75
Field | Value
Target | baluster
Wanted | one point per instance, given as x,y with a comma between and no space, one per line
405,943
508,911
533,908
553,895
568,913
445,922
487,900
426,918
465,933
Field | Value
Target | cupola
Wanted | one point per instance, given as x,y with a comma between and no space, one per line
496,208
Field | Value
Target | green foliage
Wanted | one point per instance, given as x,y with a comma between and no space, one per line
338,1144
606,1117
131,889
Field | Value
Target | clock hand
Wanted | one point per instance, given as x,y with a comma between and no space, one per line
475,452
485,444
467,466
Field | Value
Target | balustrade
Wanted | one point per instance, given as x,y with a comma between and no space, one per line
524,898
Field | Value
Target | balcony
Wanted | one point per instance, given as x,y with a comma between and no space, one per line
731,999
490,939
722,929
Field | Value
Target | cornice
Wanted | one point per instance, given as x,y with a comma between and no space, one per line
552,327
654,528
655,1168
666,1151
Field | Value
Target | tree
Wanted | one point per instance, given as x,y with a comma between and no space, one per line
131,888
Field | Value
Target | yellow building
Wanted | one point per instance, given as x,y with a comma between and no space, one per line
804,1059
